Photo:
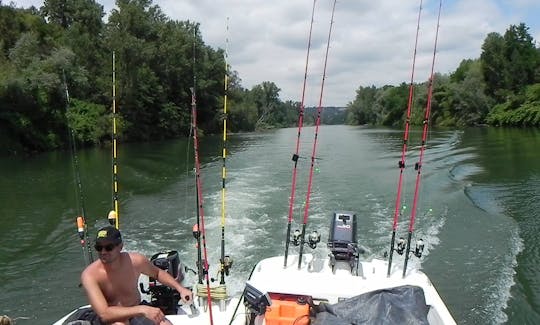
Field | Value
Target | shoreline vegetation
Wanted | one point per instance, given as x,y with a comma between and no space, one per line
67,42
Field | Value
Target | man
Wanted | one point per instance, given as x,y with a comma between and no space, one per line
111,282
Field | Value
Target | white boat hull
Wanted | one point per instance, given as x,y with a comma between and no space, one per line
315,279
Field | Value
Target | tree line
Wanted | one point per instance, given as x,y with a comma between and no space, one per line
501,88
67,45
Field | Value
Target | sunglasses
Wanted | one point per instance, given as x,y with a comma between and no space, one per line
108,247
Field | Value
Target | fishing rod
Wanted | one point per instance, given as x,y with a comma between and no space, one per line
114,215
225,261
418,166
196,227
200,200
295,155
200,209
317,124
79,198
401,163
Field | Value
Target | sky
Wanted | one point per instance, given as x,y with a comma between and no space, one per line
372,42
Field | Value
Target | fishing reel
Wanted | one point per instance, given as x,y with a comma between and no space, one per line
226,262
418,249
312,240
400,246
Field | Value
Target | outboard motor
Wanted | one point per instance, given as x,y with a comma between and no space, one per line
170,262
342,239
161,295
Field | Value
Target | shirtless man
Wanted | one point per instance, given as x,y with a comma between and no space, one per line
111,282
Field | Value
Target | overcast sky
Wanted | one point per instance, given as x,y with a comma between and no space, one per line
372,41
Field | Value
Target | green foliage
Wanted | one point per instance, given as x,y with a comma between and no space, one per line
462,99
362,109
498,88
518,110
89,122
158,60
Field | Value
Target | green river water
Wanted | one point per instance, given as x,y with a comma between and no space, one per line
478,211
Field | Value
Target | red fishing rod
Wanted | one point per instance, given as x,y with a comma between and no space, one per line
418,165
401,163
295,155
200,200
317,124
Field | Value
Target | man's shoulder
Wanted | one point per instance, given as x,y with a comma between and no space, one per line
91,270
135,257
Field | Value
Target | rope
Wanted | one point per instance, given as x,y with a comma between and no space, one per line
217,293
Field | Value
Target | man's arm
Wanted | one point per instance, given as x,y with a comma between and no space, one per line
165,278
109,314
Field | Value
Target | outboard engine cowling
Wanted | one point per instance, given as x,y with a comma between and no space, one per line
342,238
170,262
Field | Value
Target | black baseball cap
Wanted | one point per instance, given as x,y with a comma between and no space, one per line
109,233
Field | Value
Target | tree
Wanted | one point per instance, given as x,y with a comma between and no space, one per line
362,109
394,104
265,96
521,58
493,64
509,63
463,100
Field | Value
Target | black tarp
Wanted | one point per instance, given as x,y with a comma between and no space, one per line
405,305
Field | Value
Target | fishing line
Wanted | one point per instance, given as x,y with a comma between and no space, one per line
401,163
418,165
295,155
317,124
79,197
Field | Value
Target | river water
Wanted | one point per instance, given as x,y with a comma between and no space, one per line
478,211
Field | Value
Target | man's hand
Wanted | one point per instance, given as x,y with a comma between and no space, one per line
154,314
186,295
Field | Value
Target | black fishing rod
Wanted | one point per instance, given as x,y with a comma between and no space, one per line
193,132
198,181
418,167
317,124
401,164
79,197
197,228
200,209
295,155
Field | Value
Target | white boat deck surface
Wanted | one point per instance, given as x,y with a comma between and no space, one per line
315,278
